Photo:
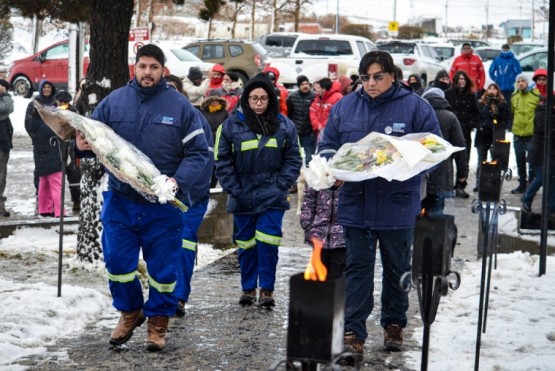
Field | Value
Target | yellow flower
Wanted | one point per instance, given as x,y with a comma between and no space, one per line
381,157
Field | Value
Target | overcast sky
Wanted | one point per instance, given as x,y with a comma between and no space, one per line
459,12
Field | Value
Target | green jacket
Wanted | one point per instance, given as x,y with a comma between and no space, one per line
523,106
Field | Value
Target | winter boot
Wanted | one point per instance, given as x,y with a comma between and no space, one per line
156,328
354,348
127,323
248,297
180,311
266,299
393,337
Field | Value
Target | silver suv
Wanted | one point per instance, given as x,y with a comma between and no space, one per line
414,59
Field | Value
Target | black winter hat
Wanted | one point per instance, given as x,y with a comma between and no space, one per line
63,96
441,74
261,80
194,74
301,79
5,84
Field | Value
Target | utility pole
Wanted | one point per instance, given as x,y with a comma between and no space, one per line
487,19
337,19
446,27
533,20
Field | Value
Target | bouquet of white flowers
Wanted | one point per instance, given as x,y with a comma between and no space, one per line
380,155
121,158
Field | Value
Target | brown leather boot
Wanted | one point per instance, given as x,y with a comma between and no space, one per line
127,323
157,328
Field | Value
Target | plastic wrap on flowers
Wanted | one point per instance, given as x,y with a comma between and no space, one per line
318,175
392,158
121,158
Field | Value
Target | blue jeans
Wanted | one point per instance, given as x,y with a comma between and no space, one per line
308,143
396,254
521,147
537,183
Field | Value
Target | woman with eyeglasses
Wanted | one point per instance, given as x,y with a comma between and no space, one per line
257,162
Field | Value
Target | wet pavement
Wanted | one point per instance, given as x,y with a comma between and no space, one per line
216,333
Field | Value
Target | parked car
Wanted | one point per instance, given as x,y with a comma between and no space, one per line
472,42
278,44
521,47
529,62
487,53
178,61
247,58
50,63
322,55
414,59
444,51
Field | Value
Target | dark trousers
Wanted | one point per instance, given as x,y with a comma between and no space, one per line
335,262
396,255
521,148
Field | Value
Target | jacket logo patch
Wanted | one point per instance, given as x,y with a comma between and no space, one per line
399,127
167,120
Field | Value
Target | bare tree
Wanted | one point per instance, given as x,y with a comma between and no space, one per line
6,38
232,11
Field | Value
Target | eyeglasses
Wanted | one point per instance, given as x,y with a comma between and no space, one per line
254,99
377,77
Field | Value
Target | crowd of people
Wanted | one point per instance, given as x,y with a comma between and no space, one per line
251,137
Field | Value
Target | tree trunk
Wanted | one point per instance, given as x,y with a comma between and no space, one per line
108,70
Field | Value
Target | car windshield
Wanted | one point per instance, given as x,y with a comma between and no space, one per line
444,51
185,56
523,48
398,48
324,47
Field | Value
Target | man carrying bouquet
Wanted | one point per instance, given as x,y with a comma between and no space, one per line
376,210
162,124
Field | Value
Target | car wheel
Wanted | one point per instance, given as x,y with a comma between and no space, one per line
243,78
22,86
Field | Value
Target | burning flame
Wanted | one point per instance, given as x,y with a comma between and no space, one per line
64,106
316,270
423,212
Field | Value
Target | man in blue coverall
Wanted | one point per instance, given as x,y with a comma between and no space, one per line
377,210
161,123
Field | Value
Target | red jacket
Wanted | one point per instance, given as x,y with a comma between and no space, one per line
321,107
283,93
472,65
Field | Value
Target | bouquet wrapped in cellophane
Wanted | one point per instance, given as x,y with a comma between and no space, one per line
381,155
125,161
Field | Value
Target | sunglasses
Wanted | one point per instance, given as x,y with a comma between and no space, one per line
377,77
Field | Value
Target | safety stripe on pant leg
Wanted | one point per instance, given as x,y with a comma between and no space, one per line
189,245
246,244
267,238
122,278
161,287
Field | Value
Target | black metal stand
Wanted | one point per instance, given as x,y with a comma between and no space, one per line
489,214
63,146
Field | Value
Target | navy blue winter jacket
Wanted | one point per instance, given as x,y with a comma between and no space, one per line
256,173
377,203
164,125
200,190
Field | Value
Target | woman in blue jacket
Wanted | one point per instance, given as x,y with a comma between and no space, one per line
257,162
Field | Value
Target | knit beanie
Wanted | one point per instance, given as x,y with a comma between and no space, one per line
194,74
301,79
523,77
433,92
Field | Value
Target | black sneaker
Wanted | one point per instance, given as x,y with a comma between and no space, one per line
248,297
460,193
266,299
393,337
518,190
526,207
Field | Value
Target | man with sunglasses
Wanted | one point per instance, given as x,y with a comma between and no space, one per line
377,210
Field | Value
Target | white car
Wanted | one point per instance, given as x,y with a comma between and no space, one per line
178,61
414,59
